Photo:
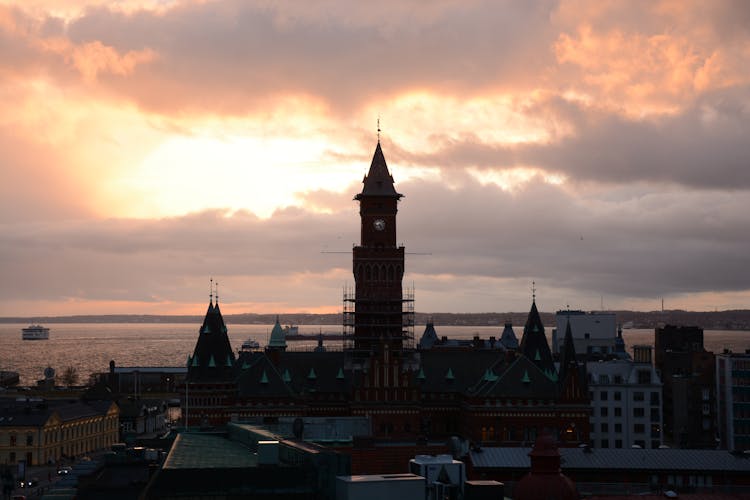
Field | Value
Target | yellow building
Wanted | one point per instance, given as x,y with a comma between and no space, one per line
44,431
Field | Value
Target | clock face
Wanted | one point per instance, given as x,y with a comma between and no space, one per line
379,224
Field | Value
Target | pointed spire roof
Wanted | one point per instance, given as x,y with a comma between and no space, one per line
508,339
534,343
378,181
212,345
278,336
568,353
429,337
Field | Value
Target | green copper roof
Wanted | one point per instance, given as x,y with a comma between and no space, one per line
525,378
449,375
489,376
264,378
245,366
212,362
278,337
340,374
421,376
537,357
229,361
286,377
195,360
311,375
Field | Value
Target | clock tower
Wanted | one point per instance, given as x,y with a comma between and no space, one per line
376,313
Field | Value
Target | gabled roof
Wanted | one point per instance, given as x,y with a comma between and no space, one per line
522,379
259,377
466,369
534,343
378,181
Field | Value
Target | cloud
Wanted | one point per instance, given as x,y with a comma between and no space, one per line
484,246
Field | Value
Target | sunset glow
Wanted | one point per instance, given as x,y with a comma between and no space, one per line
148,145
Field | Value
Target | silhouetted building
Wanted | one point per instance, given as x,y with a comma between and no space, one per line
416,400
688,376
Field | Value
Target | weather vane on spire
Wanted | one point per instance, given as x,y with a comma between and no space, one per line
533,291
211,290
217,293
378,129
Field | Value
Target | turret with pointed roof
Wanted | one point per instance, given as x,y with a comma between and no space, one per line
508,338
212,357
534,343
278,337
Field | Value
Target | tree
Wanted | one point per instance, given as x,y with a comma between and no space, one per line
69,376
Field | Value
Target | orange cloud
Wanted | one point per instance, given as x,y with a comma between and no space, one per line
92,58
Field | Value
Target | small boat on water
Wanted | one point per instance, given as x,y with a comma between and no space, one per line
35,332
250,345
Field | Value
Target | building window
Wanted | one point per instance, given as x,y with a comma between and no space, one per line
644,376
605,443
618,396
603,395
618,379
605,427
604,379
618,443
604,411
655,414
638,396
640,442
29,439
638,412
639,428
618,427
654,399
13,443
618,412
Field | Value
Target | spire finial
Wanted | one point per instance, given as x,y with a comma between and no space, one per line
378,129
211,290
217,292
533,291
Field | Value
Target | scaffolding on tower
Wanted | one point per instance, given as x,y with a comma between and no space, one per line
376,321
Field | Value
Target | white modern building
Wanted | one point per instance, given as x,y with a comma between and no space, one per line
626,402
733,399
594,333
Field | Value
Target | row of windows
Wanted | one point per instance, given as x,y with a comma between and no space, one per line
378,272
638,412
637,396
66,433
644,377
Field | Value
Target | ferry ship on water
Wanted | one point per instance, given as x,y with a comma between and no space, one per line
35,332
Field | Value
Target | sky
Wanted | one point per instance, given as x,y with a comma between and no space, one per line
598,149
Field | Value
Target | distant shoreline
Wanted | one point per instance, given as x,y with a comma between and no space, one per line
714,320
